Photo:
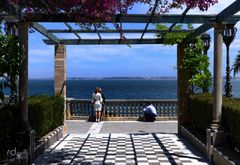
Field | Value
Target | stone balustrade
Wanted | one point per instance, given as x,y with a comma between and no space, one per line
120,109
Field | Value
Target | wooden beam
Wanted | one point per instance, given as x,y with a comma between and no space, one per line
201,29
149,19
224,17
183,16
44,32
70,28
136,18
105,41
114,31
228,11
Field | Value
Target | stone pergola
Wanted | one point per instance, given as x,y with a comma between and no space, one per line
218,22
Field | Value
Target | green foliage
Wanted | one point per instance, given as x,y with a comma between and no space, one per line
197,63
201,107
8,127
194,59
45,113
9,61
236,64
201,111
231,118
171,38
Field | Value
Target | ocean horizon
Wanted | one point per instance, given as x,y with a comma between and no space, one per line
117,89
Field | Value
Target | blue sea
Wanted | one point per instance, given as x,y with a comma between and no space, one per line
118,89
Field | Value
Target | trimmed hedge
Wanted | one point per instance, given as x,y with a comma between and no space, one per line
231,121
201,107
8,127
45,114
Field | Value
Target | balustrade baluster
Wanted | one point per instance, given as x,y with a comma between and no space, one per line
79,113
121,109
87,108
81,105
113,110
131,109
163,109
167,108
118,108
126,109
139,109
70,106
107,109
134,109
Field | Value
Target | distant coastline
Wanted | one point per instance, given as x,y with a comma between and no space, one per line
111,78
121,78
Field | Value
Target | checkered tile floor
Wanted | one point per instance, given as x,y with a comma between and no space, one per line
132,149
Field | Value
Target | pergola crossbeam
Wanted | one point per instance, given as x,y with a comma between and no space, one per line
114,31
105,41
181,21
150,19
96,30
223,17
70,29
229,11
41,29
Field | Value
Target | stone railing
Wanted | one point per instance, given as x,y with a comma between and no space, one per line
120,109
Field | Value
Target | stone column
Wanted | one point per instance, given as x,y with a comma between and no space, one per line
215,135
23,75
217,76
60,70
182,88
60,75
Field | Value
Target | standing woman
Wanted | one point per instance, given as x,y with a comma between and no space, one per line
97,103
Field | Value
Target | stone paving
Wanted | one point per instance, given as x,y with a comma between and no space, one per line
123,145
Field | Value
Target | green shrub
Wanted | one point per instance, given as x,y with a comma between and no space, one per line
201,111
7,129
231,122
201,107
45,113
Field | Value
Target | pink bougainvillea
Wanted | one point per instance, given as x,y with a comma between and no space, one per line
99,10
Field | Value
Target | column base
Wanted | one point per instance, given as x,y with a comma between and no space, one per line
215,137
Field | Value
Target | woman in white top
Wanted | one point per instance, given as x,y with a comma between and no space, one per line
97,103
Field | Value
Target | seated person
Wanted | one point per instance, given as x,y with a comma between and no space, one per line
149,112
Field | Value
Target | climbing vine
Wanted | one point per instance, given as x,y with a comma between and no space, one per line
194,59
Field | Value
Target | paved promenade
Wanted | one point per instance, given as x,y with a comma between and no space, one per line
122,143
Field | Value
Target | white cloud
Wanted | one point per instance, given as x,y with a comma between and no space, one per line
43,55
41,52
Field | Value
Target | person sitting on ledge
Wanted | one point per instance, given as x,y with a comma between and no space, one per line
149,112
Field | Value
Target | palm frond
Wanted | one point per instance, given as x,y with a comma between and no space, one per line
236,65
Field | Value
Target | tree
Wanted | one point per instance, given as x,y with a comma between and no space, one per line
236,65
9,62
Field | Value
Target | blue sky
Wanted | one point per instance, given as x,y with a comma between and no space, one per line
116,60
